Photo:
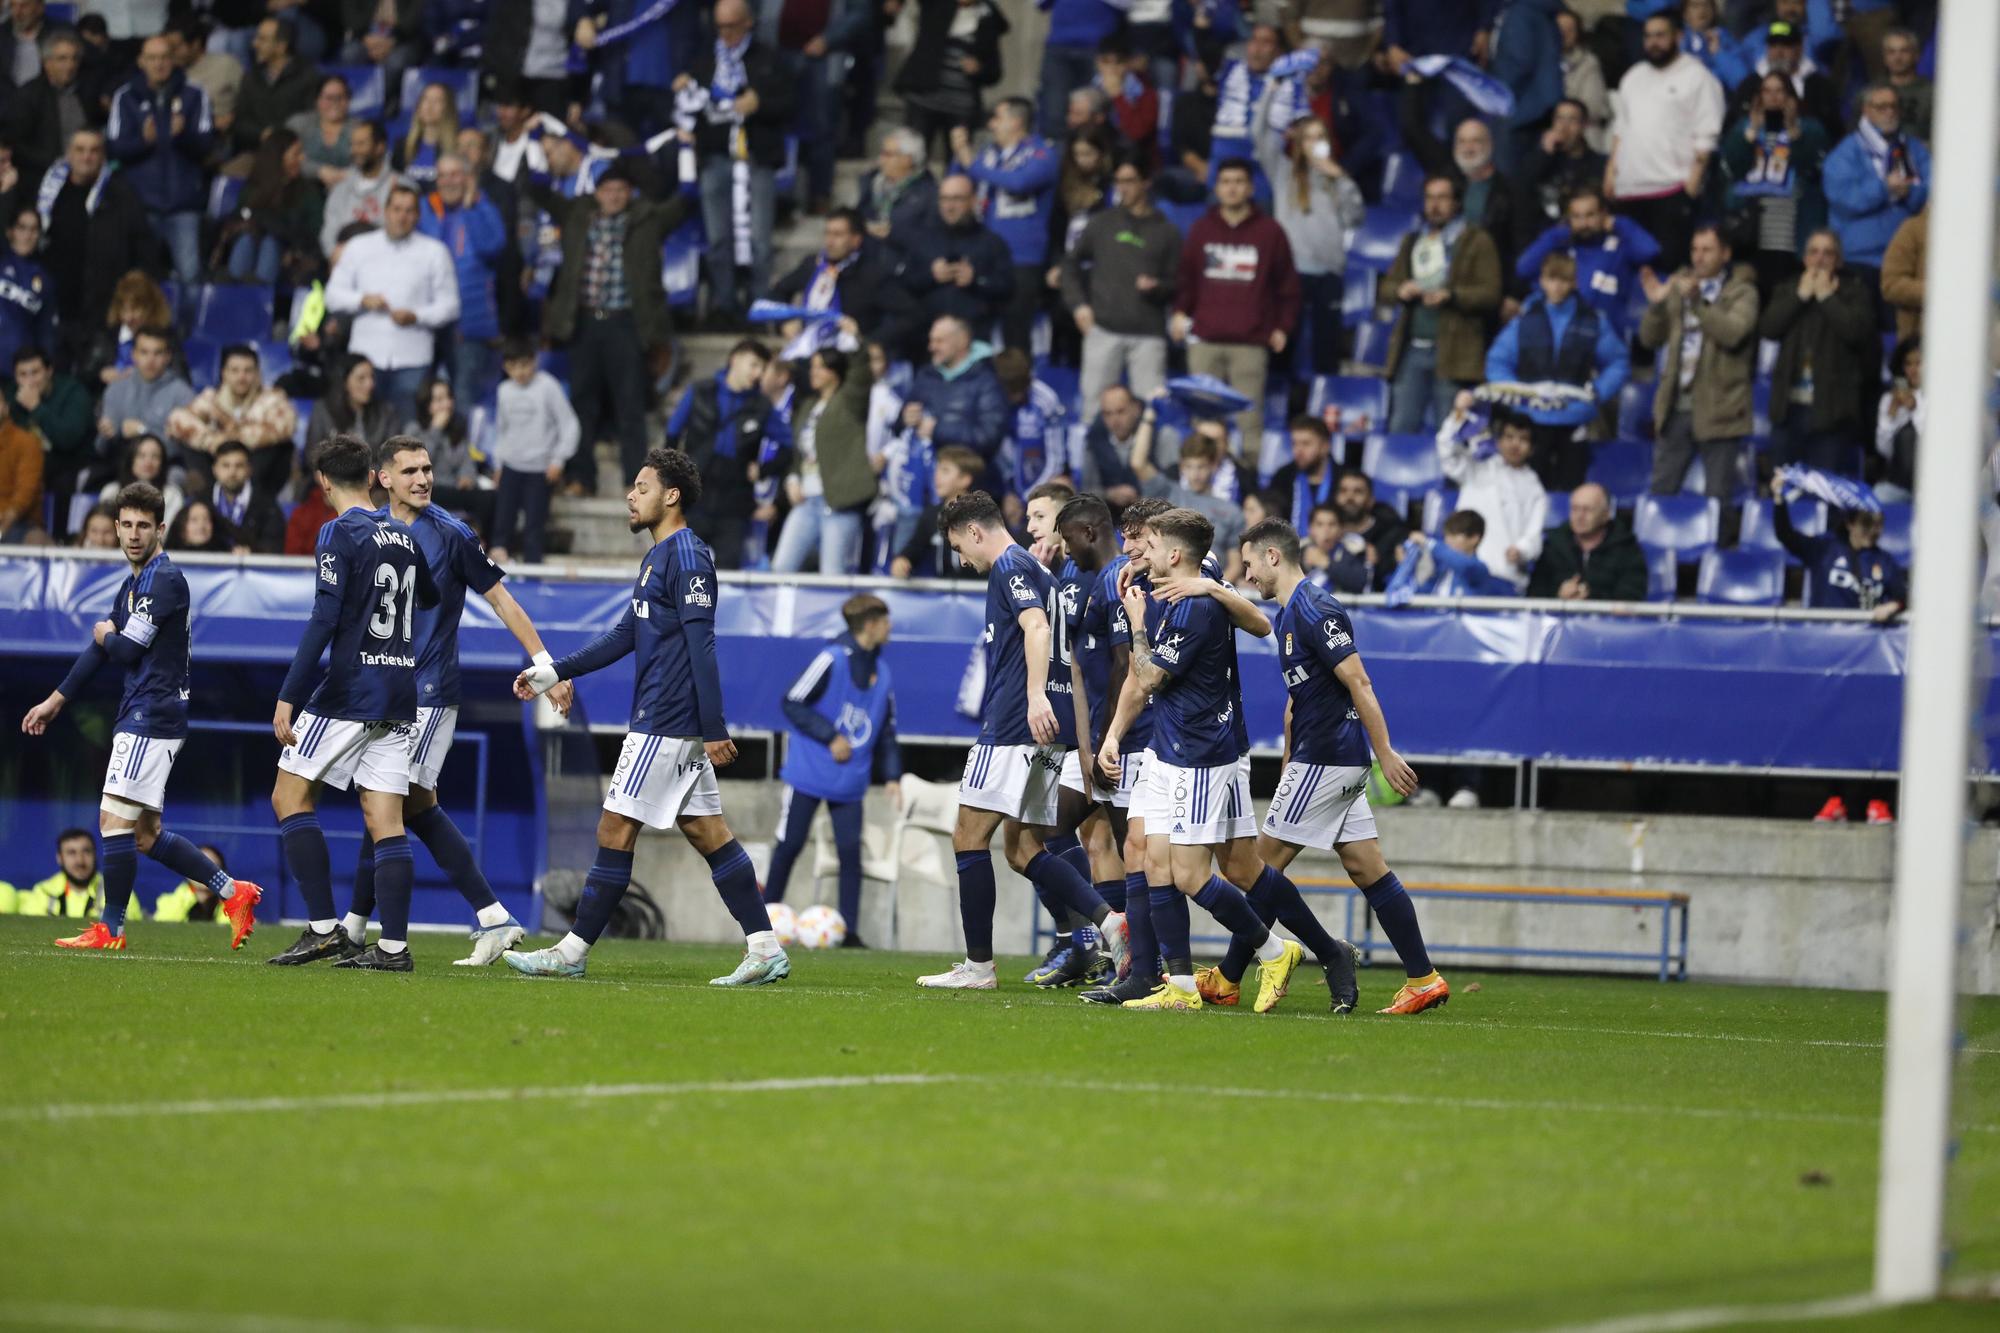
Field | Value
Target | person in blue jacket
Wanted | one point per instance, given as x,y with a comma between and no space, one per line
1609,252
843,737
1704,38
1558,338
1876,179
472,229
1527,57
1449,567
27,294
159,134
1846,568
1016,176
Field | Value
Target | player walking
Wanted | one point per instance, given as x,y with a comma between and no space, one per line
1012,772
147,634
355,729
666,770
1333,721
457,563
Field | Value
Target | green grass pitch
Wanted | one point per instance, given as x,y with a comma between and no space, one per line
191,1140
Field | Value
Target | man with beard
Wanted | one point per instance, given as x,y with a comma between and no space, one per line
96,230
1491,201
363,194
1609,252
1561,160
1669,118
1360,550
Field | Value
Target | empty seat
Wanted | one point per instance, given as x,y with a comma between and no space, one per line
230,312
1350,404
1635,412
1662,575
1066,382
367,91
1183,216
204,361
1558,515
1357,294
1898,531
1371,342
1381,234
1439,505
1624,468
1741,577
274,359
680,262
1759,533
1402,180
1404,468
1684,524
223,196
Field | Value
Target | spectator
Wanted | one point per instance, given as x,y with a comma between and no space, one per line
746,98
955,55
24,38
636,76
1669,119
1069,57
1704,38
1118,283
1820,35
928,554
1899,424
276,234
955,267
327,131
1776,165
143,458
100,529
1609,251
27,299
1134,102
1358,108
1589,559
351,406
1256,100
1366,538
1088,113
433,132
142,402
1201,453
1824,380
831,482
850,277
1437,27
1036,447
1306,482
1846,568
1316,203
1487,199
241,409
21,469
474,233
1903,273
536,433
456,464
389,33
362,195
1562,160
307,518
1705,319
1900,50
1450,567
1558,339
1784,55
1236,296
724,423
161,130
198,528
45,112
1109,442
1016,176
1082,192
250,512
1584,82
608,308
1526,58
1446,284
217,73
96,231
1500,487
1876,178
518,145
899,197
76,888
278,86
956,399
189,901
401,288
106,352
57,409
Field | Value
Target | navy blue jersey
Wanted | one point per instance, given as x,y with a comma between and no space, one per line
152,614
1016,583
371,580
1195,708
1314,637
1068,610
1839,576
1090,641
458,564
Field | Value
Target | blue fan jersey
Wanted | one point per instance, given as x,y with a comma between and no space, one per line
370,579
152,612
1314,637
1016,583
1195,709
1063,619
457,563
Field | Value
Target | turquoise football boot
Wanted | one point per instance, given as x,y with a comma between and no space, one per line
542,963
756,970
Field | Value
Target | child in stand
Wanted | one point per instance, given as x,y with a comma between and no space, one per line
1487,456
1448,568
535,433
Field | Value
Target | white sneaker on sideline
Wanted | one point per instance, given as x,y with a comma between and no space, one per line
966,975
1465,798
1425,799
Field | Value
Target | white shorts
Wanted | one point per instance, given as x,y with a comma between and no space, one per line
1072,779
1198,807
374,756
435,728
1018,781
662,779
1129,768
1318,805
137,774
1139,801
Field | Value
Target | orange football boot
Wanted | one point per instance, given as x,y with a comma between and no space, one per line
241,907
1414,999
97,936
1215,988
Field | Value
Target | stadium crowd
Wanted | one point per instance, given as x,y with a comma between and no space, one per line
235,228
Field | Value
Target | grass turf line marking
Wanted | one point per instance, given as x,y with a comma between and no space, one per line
52,1315
1723,1316
377,1101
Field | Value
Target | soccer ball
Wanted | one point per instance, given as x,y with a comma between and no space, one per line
783,922
1380,794
821,927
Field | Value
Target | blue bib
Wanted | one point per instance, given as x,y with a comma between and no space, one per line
857,714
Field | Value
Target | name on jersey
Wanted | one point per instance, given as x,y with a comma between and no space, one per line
387,659
390,537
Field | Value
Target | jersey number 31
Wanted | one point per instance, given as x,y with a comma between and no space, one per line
391,584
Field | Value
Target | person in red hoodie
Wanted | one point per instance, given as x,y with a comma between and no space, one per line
1238,296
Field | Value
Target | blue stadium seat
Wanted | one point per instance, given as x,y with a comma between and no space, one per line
1767,357
1439,505
785,182
1759,533
1067,383
274,359
1635,411
368,92
1165,136
1662,577
1402,179
1183,216
1357,294
1741,577
464,85
1685,524
1624,468
1898,531
222,197
1361,401
1371,342
1696,481
204,362
233,312
1760,406
1558,515
303,409
1380,235
680,262
1404,468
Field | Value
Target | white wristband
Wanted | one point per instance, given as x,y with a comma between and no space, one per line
543,659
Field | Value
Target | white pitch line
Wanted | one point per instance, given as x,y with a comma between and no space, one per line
1725,1316
53,1315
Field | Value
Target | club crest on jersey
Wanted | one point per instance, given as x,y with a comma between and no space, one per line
143,606
1288,643
329,568
697,592
855,724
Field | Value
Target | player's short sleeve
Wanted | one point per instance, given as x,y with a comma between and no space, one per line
1021,591
155,606
1185,634
331,574
691,587
1119,625
1331,635
474,567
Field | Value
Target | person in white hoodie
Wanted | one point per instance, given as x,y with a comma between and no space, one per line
536,432
1493,477
1670,112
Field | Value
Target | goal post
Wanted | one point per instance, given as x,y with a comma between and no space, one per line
1940,702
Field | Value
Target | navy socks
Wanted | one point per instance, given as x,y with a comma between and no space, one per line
395,872
306,858
1170,927
736,880
453,854
1397,916
1139,926
603,887
1048,871
975,904
121,871
1226,903
189,862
